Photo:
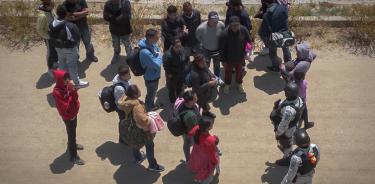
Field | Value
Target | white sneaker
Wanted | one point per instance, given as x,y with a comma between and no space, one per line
265,51
82,84
220,82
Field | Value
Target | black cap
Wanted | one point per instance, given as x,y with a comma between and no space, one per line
234,20
213,15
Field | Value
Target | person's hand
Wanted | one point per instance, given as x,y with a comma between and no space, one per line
217,140
212,83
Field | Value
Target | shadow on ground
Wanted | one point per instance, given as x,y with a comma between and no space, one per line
227,101
51,100
270,82
181,175
129,172
162,98
61,164
260,63
45,81
273,174
82,67
111,70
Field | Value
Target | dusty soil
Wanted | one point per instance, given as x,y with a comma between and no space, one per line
341,101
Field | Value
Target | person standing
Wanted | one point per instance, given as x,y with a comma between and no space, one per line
118,14
64,36
151,61
77,14
67,104
175,63
285,117
208,34
121,82
303,161
192,19
45,17
233,42
275,19
236,8
172,26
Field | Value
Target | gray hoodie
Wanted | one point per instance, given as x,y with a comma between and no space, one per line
119,89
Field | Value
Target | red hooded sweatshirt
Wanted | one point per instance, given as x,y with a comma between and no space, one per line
66,97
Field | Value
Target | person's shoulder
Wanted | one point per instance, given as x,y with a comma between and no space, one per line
221,23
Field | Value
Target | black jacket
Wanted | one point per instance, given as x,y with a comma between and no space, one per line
192,24
171,30
232,45
276,18
199,79
175,64
119,17
59,36
242,15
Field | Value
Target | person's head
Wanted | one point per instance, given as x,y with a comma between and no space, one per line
302,138
177,45
190,98
133,92
172,13
213,19
291,91
268,2
187,8
115,1
124,72
304,52
205,124
61,12
200,61
236,5
234,23
152,36
299,76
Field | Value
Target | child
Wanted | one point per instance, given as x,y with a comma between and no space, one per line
300,80
204,158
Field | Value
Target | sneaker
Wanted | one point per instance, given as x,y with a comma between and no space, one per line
115,59
82,84
143,157
94,59
241,89
80,147
265,51
209,114
282,162
273,69
226,89
308,125
78,161
158,168
220,82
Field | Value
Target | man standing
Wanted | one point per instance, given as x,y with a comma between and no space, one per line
67,104
45,17
175,63
233,43
285,117
77,14
275,19
151,61
64,36
303,161
208,34
235,8
118,14
172,27
192,19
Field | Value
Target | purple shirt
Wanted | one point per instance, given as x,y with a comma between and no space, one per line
302,87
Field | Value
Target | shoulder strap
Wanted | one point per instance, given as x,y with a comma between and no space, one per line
119,84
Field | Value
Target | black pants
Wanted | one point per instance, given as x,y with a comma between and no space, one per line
71,126
175,87
305,116
51,55
121,116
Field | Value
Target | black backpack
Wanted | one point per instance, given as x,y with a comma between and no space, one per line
175,124
134,62
107,97
59,36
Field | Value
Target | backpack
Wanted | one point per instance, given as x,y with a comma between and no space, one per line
107,97
175,124
134,62
282,38
59,36
130,134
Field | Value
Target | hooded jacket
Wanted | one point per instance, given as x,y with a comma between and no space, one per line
303,63
66,97
232,45
151,60
139,111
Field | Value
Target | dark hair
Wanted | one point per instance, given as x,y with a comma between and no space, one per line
188,95
176,40
132,91
236,3
61,12
204,123
151,33
186,5
269,1
198,57
171,9
123,69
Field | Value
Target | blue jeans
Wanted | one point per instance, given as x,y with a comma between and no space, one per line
68,60
86,39
152,88
149,144
116,43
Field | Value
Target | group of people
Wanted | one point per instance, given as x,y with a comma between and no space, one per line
184,35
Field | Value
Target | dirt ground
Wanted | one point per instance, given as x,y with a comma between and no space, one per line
33,141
